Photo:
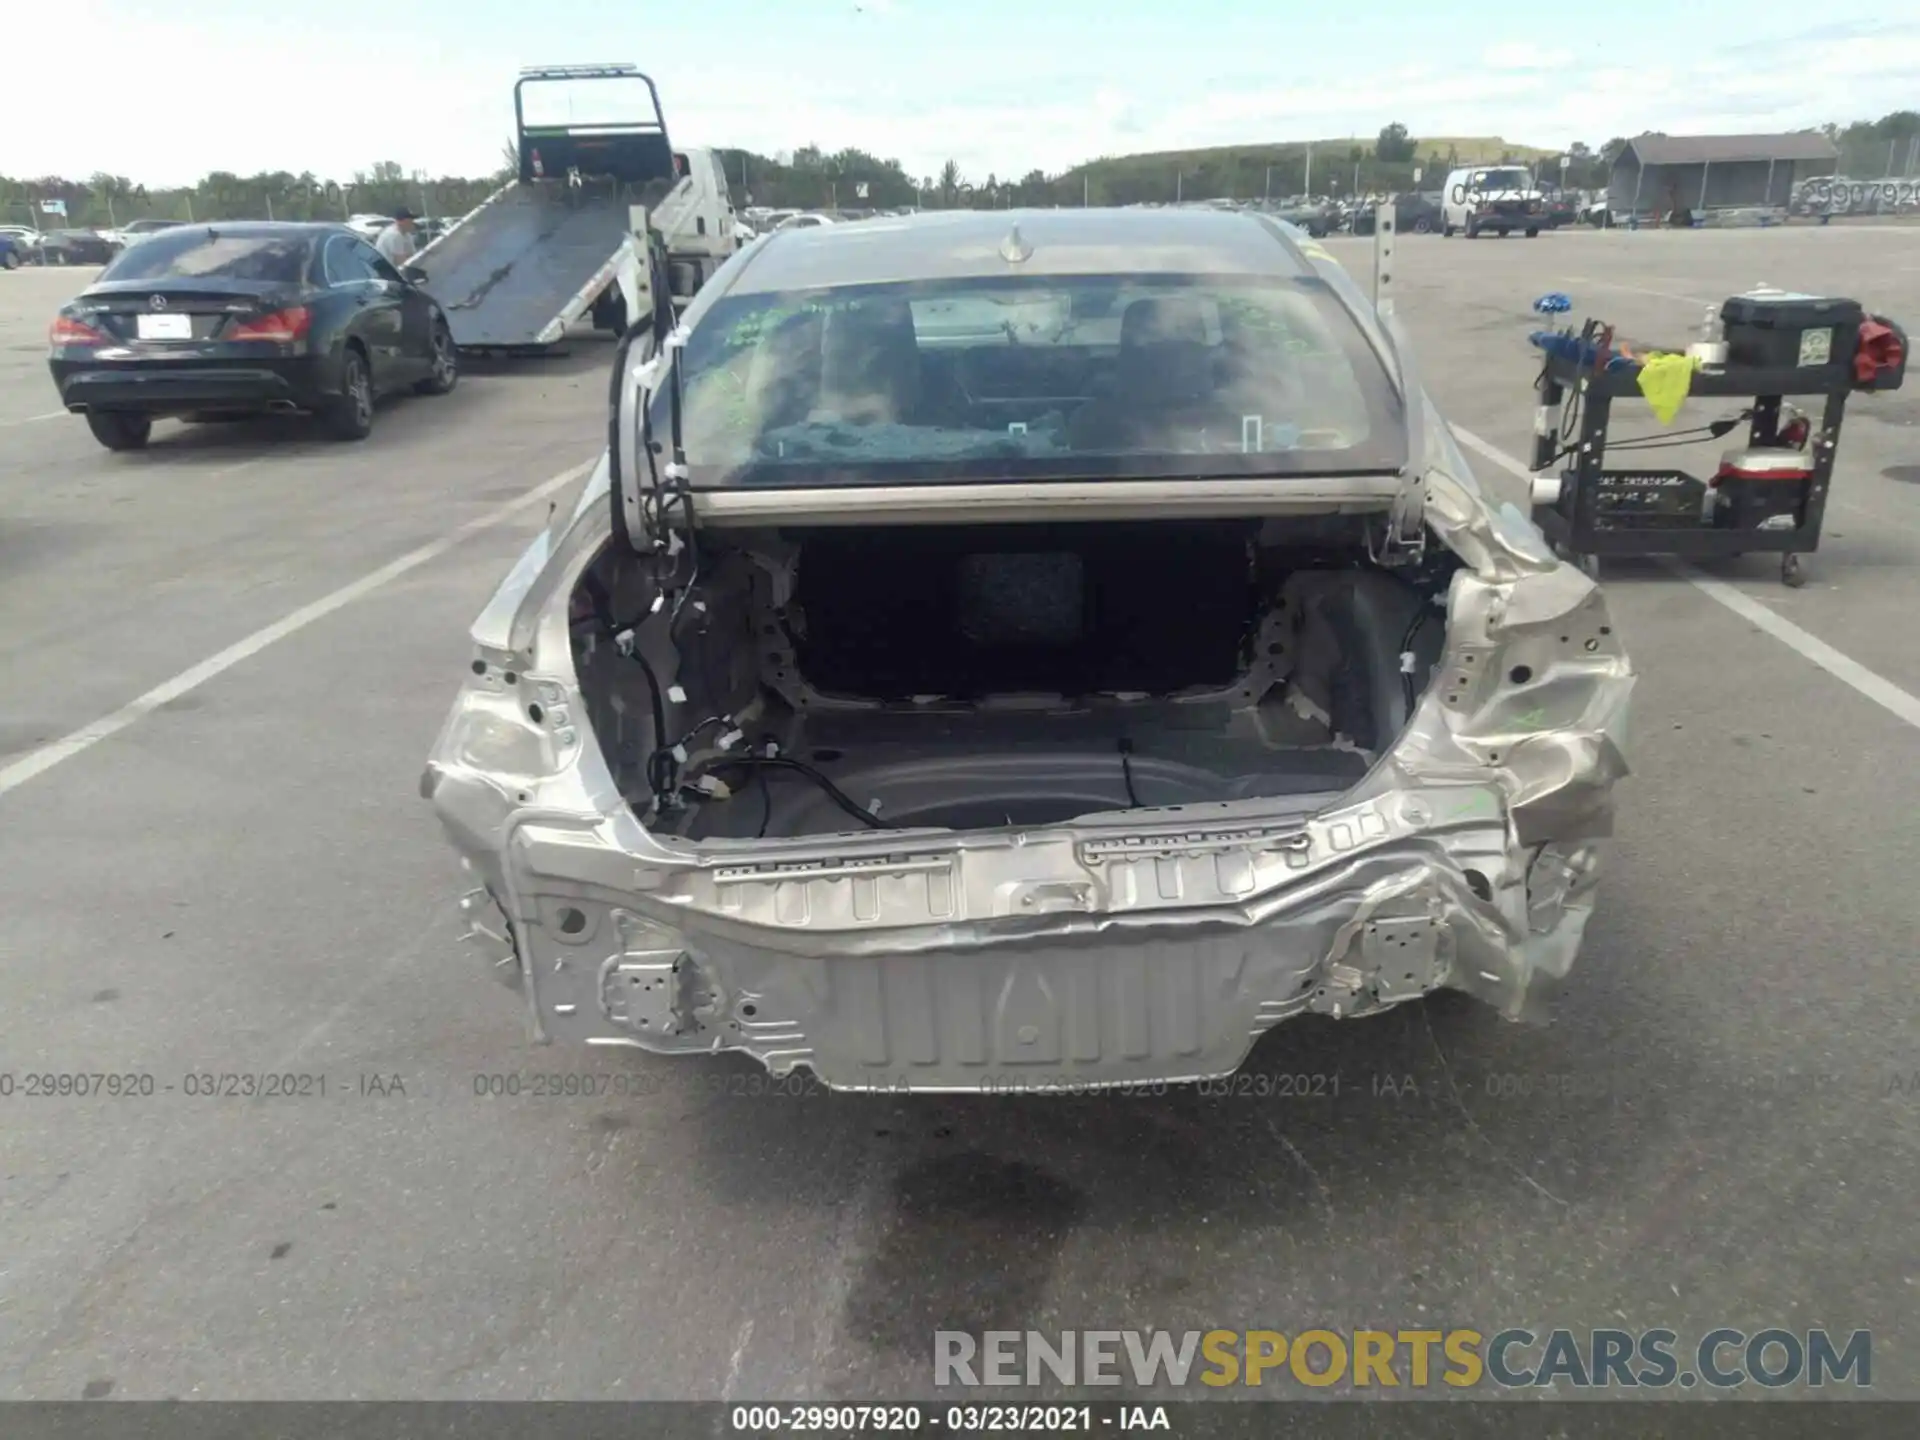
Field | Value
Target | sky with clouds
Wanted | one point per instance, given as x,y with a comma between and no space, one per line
172,91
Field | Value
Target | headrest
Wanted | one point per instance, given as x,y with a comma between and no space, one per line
870,362
1152,322
1165,373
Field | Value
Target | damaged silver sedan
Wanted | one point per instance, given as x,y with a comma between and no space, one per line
1025,653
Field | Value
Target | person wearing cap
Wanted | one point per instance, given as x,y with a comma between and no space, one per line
395,243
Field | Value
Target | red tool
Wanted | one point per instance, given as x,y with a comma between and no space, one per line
1882,352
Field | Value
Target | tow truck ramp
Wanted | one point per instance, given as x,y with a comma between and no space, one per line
558,241
530,261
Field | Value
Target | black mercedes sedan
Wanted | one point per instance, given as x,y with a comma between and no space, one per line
75,247
221,320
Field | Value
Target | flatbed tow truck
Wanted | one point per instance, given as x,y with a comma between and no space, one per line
573,234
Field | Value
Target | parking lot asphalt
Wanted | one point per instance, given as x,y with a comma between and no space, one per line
236,877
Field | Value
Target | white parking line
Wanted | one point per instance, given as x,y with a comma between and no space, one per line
33,419
1639,290
43,759
1844,668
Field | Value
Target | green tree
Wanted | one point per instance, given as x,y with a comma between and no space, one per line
804,177
1395,145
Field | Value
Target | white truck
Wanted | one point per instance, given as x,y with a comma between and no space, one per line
695,221
1500,198
573,234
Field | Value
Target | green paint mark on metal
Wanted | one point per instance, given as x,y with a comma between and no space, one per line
1466,805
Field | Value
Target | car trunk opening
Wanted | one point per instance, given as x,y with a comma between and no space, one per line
817,681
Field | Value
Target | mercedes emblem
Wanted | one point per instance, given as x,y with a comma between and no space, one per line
156,302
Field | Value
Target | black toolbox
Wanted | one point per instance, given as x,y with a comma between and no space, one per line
1812,334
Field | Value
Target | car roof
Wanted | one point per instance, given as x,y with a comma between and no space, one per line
960,244
247,228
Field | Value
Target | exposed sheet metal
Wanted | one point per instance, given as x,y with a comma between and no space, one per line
1118,948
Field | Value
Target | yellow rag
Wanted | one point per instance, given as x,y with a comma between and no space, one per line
1665,380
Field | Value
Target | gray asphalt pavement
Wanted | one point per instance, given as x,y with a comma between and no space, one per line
1722,1128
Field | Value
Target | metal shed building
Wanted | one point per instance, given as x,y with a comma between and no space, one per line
1660,173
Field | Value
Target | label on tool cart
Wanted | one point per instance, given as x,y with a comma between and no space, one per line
1647,497
1816,347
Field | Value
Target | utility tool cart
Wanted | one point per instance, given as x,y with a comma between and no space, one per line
1769,495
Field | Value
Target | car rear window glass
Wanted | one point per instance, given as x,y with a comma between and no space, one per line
1068,375
195,253
346,261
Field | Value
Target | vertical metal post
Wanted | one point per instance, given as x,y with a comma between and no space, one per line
1769,199
1383,228
1633,206
1086,191
1706,173
269,207
1308,187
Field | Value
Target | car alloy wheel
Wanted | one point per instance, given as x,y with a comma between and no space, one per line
352,415
446,363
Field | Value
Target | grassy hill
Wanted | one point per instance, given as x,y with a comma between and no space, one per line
1479,149
1279,168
